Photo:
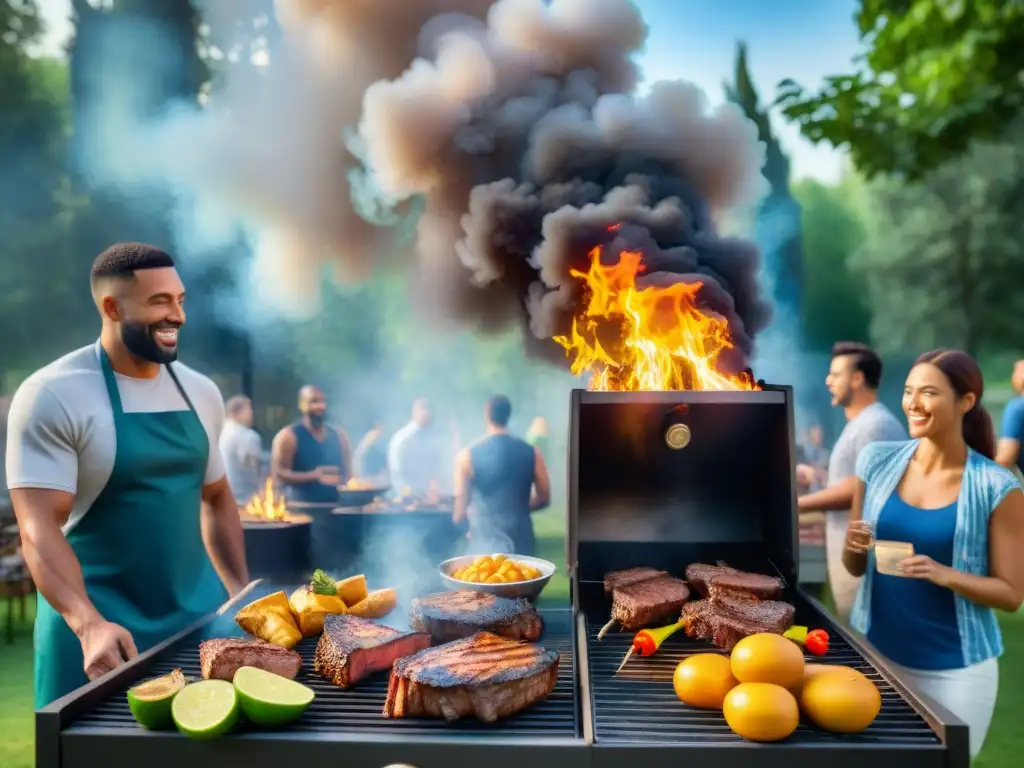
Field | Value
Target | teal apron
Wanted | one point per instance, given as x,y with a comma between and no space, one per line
140,544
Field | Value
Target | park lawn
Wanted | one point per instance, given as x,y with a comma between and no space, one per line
1003,747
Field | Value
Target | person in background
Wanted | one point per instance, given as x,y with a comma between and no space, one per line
128,526
415,454
506,479
855,373
537,436
5,407
371,457
242,449
1008,452
311,458
963,514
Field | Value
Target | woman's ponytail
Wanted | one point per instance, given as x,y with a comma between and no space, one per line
979,433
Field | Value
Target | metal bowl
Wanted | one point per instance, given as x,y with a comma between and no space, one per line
351,497
529,589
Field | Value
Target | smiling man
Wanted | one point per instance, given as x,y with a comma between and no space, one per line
128,525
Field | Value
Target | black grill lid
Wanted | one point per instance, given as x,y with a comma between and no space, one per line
667,478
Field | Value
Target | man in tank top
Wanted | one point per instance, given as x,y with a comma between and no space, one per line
506,479
311,458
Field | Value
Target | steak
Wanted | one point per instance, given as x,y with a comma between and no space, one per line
725,621
485,676
648,602
699,576
617,579
749,585
455,615
352,648
221,657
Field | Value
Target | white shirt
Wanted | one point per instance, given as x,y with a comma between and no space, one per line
242,450
60,431
414,460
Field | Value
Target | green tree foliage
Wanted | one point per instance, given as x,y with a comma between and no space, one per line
835,302
943,260
936,74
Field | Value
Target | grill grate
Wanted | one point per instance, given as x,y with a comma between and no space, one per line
359,710
639,704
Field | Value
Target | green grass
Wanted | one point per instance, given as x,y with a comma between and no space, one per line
1003,747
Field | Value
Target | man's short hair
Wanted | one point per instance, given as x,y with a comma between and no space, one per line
123,260
499,410
236,404
865,360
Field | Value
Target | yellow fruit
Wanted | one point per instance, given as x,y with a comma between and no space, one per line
840,700
495,579
483,559
353,589
499,559
768,658
703,680
512,576
761,711
377,604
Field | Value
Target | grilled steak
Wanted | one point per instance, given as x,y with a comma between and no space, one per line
741,584
617,579
485,676
699,576
351,648
725,621
220,658
647,602
454,615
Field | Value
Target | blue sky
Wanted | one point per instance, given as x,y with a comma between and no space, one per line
696,39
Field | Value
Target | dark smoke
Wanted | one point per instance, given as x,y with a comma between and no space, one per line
525,141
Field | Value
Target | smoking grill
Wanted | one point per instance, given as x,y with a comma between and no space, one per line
665,479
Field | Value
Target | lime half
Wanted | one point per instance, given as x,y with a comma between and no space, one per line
269,699
150,702
206,709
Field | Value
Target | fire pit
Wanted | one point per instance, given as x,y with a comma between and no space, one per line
277,540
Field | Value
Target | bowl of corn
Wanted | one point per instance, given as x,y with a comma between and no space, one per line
503,575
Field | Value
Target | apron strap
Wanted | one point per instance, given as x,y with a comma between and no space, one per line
111,382
181,389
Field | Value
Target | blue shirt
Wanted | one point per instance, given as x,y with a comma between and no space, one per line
1013,425
913,621
984,485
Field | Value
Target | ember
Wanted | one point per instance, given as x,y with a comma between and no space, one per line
656,337
268,507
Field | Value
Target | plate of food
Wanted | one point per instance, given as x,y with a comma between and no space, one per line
505,575
360,491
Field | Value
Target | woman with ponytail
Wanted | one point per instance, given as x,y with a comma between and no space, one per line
963,514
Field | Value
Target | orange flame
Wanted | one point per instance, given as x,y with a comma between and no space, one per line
657,339
268,506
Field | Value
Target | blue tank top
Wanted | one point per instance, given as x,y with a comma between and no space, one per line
913,622
310,453
503,482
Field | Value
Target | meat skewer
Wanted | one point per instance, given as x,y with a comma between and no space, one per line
647,602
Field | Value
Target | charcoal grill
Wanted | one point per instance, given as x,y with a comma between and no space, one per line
93,726
664,479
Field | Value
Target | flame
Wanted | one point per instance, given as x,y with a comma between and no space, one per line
267,506
662,340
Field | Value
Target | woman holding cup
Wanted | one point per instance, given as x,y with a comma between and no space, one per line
936,530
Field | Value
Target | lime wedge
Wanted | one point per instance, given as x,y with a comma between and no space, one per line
206,709
269,699
150,702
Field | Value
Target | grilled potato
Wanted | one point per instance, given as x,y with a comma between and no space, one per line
352,590
376,605
310,609
270,619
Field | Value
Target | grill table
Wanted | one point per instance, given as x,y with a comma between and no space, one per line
94,727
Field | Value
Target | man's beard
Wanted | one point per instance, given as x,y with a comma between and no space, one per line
139,339
316,420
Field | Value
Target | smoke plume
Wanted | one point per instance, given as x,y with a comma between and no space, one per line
512,129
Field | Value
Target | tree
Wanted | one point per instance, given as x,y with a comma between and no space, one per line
935,76
943,259
835,303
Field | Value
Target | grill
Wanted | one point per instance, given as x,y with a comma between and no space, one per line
668,479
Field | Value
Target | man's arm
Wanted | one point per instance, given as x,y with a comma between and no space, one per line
463,486
223,536
282,454
541,496
836,497
1012,434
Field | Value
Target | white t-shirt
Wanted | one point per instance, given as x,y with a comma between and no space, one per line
60,431
242,450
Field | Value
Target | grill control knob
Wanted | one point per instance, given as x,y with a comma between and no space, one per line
677,437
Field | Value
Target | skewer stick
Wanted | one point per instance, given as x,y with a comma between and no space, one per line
627,657
606,629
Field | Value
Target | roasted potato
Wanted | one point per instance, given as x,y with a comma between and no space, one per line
310,609
270,619
352,590
376,605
